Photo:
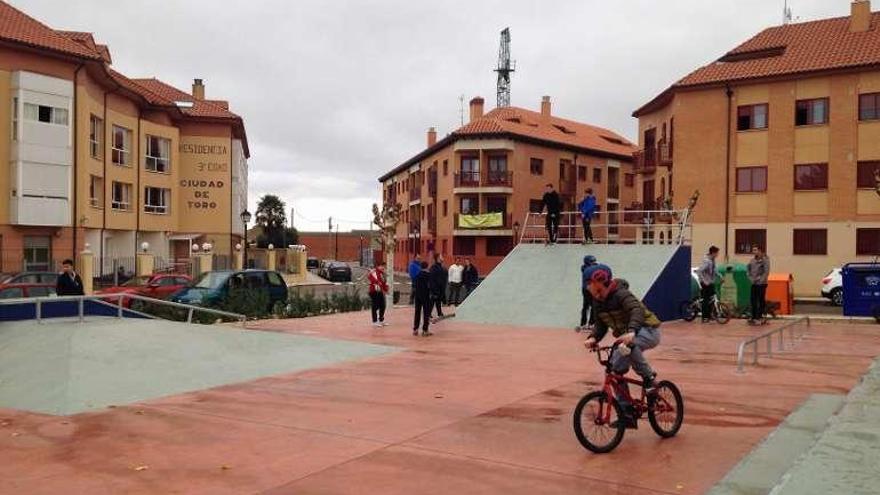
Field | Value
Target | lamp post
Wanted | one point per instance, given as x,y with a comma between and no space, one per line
245,219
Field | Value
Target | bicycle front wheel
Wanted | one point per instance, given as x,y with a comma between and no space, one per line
598,423
688,311
666,409
722,313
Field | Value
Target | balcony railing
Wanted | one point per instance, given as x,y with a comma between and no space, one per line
645,161
506,223
415,194
491,178
664,152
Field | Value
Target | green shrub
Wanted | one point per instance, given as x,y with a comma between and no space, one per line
304,305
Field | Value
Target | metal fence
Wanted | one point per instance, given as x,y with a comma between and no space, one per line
613,227
796,330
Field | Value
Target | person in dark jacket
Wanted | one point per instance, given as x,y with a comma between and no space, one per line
439,279
586,306
553,204
759,272
587,208
69,282
422,298
470,277
413,270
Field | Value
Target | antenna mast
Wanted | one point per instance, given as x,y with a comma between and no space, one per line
504,70
786,13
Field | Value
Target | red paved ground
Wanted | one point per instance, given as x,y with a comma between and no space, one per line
470,410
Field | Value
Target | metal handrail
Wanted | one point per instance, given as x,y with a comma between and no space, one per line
102,299
768,336
677,223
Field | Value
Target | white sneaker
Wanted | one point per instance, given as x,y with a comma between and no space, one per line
377,324
383,323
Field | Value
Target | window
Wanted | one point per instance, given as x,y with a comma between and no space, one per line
613,183
445,168
867,242
96,133
96,191
15,119
597,175
121,146
37,251
470,170
45,114
464,246
751,179
582,173
498,246
746,238
445,244
810,242
12,293
536,166
629,180
276,280
811,112
158,154
468,205
156,200
751,117
445,208
535,205
121,199
496,204
866,175
813,177
869,106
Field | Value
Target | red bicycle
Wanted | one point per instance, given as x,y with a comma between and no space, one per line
599,420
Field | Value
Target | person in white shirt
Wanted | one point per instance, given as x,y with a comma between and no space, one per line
456,270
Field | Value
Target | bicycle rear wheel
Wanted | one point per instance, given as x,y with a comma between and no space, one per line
688,311
666,409
722,313
593,420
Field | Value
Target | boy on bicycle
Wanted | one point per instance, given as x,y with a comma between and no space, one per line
617,309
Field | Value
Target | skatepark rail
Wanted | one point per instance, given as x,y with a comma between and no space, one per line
768,337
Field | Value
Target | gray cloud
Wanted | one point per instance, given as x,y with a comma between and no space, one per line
334,93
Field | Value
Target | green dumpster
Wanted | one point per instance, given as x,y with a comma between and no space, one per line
737,289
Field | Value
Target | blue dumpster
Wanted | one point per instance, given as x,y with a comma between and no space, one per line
861,290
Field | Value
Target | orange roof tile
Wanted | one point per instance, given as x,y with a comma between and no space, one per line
18,27
200,108
786,51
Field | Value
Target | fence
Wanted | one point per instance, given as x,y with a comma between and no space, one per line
614,227
801,323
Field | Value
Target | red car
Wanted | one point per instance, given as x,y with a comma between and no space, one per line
158,286
17,291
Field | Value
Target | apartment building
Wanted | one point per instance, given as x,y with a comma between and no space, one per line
90,156
782,137
499,162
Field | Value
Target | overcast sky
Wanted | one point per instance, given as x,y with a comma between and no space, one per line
335,93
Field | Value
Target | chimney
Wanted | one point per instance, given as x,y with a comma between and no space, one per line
545,107
432,136
860,19
476,108
198,89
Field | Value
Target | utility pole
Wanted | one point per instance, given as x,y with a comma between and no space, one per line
337,242
329,237
387,220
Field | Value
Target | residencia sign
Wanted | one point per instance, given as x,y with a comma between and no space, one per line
208,167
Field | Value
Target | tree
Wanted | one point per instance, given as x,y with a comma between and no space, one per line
271,217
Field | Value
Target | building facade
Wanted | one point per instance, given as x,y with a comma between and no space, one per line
499,162
782,138
90,156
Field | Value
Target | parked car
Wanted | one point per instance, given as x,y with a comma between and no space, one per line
212,288
313,263
29,278
337,271
18,291
158,286
323,269
832,287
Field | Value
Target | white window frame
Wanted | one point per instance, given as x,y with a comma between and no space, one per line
96,136
123,203
96,194
57,115
15,119
164,205
153,161
125,152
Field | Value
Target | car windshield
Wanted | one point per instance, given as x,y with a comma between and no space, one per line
211,280
137,282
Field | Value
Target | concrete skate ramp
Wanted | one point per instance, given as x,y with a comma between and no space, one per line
63,367
539,286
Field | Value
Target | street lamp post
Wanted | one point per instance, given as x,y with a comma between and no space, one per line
245,219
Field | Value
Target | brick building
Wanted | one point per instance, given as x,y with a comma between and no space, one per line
499,162
782,137
341,246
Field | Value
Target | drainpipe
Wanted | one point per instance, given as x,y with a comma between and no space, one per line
75,157
104,172
729,92
137,182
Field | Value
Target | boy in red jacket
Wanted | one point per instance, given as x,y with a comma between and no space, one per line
378,290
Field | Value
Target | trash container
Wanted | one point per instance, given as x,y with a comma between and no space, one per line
861,290
736,290
780,289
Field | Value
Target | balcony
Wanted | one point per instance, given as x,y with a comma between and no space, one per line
415,230
432,183
482,225
645,161
415,194
432,224
664,152
500,180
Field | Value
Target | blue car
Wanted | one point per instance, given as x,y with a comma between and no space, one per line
212,288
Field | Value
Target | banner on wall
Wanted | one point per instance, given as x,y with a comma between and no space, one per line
484,221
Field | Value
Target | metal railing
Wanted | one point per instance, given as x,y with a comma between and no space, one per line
779,333
102,299
615,226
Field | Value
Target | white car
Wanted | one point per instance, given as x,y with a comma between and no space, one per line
832,287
